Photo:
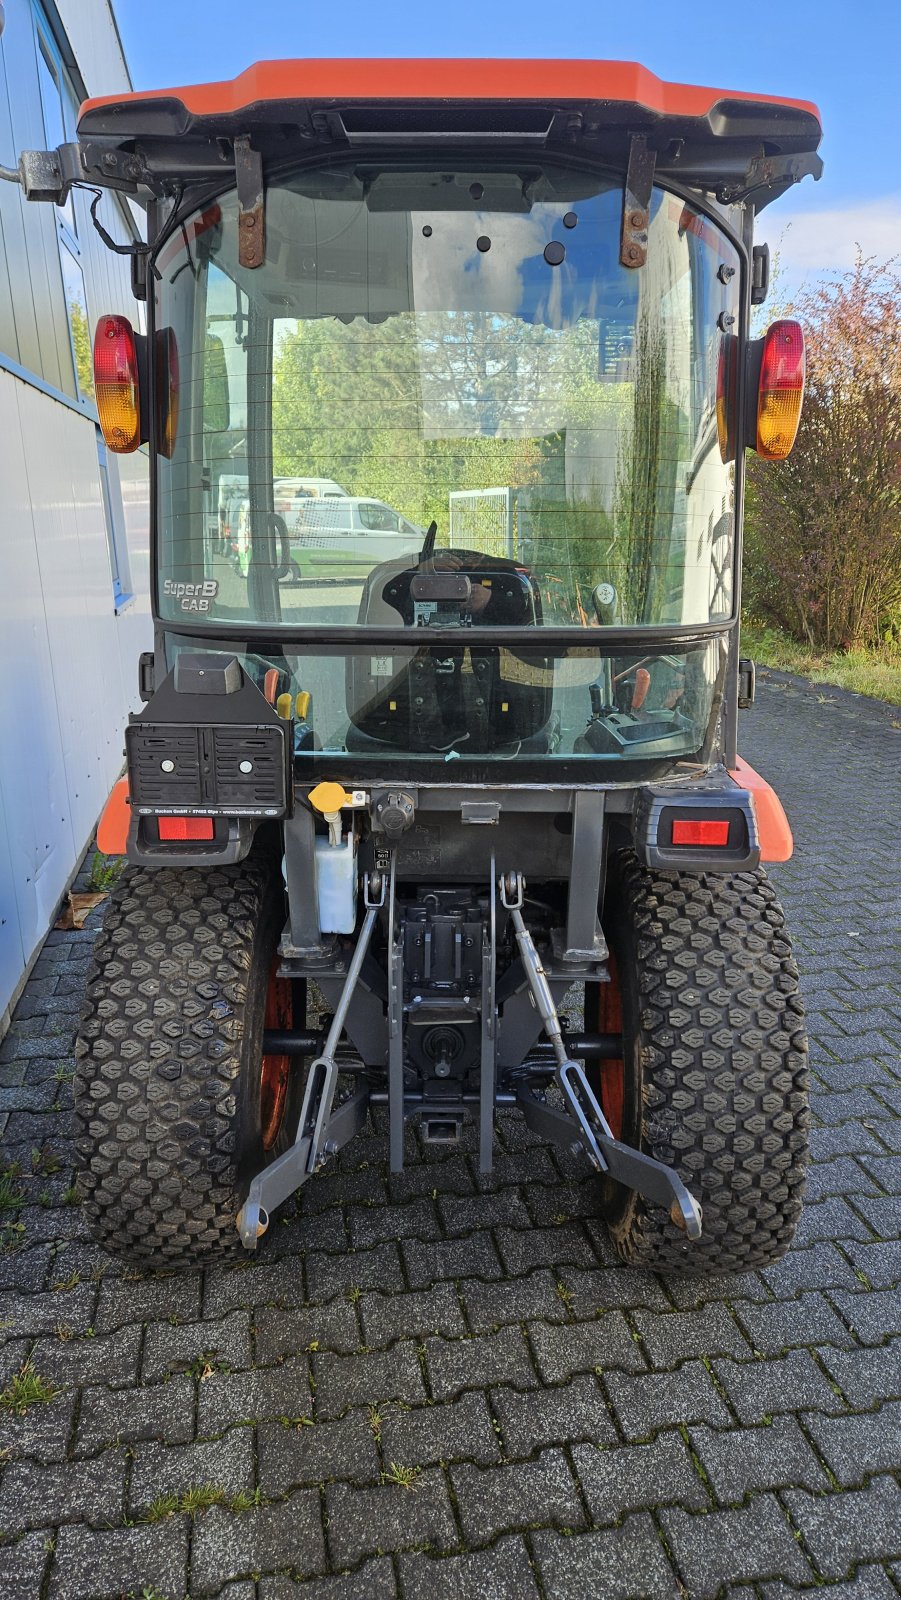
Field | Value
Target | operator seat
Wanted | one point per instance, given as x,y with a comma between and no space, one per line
437,698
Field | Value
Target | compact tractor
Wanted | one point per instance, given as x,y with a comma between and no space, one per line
434,809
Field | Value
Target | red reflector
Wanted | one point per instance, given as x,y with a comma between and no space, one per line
710,832
186,827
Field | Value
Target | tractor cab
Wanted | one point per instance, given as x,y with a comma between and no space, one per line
451,689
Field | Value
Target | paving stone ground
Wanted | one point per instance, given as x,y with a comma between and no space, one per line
566,1425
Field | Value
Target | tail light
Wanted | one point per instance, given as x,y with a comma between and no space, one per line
166,391
711,831
183,829
780,390
117,386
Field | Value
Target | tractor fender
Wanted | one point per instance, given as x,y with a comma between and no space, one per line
112,830
776,842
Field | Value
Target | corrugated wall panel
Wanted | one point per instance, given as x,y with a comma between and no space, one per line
36,808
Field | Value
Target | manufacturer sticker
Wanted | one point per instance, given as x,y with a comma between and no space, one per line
192,596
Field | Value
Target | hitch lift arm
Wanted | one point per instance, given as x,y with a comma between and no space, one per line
653,1179
321,1132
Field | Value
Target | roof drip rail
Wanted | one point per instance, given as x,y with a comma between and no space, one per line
633,250
251,213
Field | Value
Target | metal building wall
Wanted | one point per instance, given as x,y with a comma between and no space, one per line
68,662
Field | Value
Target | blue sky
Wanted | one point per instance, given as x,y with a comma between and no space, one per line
846,58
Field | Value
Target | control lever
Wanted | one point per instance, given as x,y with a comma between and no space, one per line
628,1166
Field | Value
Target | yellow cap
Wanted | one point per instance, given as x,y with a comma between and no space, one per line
303,705
283,706
328,798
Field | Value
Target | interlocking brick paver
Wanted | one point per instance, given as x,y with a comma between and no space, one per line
477,1336
24,1565
162,1411
502,1573
638,1477
571,1411
655,1400
389,1317
458,1364
517,1495
781,1324
872,1317
161,1469
301,1451
753,1541
617,1564
488,1305
459,1430
677,1335
743,1460
219,1342
857,1446
229,1397
586,1347
374,1580
106,1565
33,1496
360,1380
227,1544
867,1376
844,1528
279,1333
362,1521
758,1389
473,1256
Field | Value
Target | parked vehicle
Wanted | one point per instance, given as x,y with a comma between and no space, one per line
339,539
452,808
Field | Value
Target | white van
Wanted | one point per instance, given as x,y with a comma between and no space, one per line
346,538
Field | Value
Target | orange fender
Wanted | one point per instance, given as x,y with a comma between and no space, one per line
112,831
776,842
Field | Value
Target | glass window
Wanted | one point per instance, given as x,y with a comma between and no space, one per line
497,425
116,540
462,348
79,324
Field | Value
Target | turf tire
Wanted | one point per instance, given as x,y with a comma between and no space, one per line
715,1059
167,1105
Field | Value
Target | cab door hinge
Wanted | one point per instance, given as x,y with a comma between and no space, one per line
633,250
747,683
251,215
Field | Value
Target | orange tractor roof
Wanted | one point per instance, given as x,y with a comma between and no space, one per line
336,79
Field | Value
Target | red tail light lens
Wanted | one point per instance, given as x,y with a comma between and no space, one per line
711,832
166,391
116,383
781,390
183,829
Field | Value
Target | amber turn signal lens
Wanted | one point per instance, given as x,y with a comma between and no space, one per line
781,389
166,391
116,384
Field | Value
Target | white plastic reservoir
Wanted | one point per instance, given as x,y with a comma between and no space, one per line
336,882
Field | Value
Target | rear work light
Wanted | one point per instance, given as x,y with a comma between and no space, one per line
184,829
116,383
780,390
710,832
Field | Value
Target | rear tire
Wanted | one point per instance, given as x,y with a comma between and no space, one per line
169,1091
714,1078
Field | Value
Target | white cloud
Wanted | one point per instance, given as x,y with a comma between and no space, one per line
810,243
